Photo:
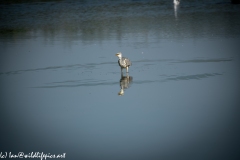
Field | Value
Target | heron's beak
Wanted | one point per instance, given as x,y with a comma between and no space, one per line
116,54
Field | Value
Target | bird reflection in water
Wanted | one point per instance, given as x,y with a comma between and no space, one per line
176,6
125,83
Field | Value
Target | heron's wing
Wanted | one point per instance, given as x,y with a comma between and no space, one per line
127,61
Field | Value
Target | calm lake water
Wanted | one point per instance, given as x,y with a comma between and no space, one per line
60,80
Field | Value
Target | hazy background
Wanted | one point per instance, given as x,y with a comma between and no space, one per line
59,79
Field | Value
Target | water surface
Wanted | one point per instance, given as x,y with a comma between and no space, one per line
60,80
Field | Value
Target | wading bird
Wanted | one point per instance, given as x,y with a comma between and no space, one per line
123,61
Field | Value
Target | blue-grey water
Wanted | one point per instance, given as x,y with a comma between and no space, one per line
61,89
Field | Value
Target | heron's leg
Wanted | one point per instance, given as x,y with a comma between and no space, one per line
127,69
121,70
121,74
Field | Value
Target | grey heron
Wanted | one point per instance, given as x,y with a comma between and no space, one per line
123,61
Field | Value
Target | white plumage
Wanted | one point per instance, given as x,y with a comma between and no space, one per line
176,1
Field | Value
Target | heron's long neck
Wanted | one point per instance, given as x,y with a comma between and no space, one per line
120,57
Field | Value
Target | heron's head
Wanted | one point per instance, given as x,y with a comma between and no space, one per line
119,55
121,92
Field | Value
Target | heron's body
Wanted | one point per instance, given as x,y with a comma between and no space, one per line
123,61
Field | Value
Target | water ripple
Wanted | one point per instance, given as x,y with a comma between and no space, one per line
203,60
191,77
94,65
91,82
77,83
186,61
179,78
66,67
